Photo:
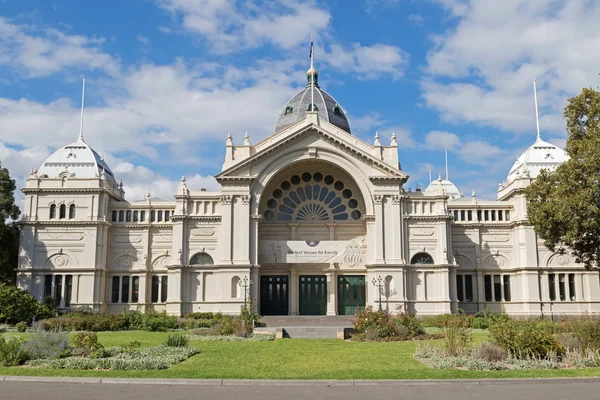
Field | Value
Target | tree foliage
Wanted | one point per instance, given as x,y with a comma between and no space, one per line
17,305
9,228
564,206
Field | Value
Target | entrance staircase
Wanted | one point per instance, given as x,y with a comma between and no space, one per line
308,326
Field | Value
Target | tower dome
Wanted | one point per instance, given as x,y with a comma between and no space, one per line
325,105
79,160
540,155
446,187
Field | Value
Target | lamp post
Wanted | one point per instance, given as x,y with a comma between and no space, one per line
245,284
379,284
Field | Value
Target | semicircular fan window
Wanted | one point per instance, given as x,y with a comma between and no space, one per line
312,197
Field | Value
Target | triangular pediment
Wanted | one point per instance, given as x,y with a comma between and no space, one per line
313,135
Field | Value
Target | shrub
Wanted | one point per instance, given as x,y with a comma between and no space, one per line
526,338
263,337
410,322
86,342
11,353
21,326
436,321
176,341
369,318
99,352
131,347
18,305
47,344
3,328
490,352
589,334
457,336
569,341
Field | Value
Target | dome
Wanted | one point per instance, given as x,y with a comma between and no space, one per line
79,160
325,105
446,187
540,155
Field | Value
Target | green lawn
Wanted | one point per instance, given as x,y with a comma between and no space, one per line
293,359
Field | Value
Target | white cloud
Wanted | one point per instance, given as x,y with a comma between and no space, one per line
488,60
35,53
368,62
441,140
229,25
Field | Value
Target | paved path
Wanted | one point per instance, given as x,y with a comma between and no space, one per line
401,390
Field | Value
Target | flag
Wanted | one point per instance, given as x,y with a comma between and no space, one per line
311,49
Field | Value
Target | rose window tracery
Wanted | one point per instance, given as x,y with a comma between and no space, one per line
312,196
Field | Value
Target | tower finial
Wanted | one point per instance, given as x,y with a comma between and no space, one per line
537,116
446,164
312,75
80,138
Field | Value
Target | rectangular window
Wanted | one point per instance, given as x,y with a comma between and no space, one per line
507,215
68,290
561,287
128,216
478,215
493,215
462,215
135,292
500,215
152,216
468,288
135,216
497,288
115,289
487,279
159,219
57,289
142,216
486,215
164,288
154,297
506,287
552,286
166,216
125,290
572,294
121,216
470,215
114,216
48,286
459,288
456,215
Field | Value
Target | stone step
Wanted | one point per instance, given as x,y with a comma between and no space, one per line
308,320
313,332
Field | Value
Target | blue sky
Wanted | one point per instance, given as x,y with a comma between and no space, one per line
168,79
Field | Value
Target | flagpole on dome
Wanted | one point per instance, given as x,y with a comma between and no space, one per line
537,116
312,75
82,107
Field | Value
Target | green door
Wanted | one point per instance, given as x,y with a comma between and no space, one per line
313,295
274,295
351,294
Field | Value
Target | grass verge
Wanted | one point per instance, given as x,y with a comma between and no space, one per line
292,359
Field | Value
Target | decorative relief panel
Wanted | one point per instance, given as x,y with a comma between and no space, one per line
495,238
161,262
560,260
59,235
496,260
202,232
422,231
127,238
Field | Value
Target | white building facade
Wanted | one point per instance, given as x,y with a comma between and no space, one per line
309,221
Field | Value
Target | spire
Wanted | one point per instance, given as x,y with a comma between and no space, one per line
229,140
394,143
377,142
430,180
247,139
312,74
446,164
80,138
537,116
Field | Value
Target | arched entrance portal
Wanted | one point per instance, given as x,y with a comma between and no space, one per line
311,246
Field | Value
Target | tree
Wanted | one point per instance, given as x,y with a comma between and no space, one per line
9,228
564,206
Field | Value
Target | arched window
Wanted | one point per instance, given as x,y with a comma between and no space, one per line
288,110
337,110
388,287
52,211
201,259
63,212
72,211
235,286
421,258
312,107
114,216
313,196
121,215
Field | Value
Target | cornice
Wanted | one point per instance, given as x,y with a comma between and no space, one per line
144,225
65,223
333,140
429,217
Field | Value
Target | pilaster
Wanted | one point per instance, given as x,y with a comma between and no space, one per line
226,228
379,230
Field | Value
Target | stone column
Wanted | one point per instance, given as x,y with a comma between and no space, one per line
142,292
331,294
174,290
254,288
397,256
64,291
226,228
293,292
379,230
241,212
